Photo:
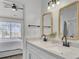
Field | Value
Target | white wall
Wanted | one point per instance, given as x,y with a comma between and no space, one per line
32,17
55,10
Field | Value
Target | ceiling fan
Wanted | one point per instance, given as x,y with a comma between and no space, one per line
13,5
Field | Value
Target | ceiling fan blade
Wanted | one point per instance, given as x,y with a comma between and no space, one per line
7,6
20,8
6,3
9,3
9,0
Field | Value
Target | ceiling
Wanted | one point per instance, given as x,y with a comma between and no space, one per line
7,12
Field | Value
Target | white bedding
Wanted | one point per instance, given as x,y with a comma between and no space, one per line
10,45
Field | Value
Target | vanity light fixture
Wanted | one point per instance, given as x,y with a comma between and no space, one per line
53,3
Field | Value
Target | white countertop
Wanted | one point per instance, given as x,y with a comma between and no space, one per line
57,48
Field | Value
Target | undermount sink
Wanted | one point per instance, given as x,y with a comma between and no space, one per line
51,46
58,48
65,51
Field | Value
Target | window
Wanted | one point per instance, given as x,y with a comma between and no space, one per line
16,30
10,30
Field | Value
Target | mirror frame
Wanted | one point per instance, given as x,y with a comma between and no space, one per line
59,22
42,22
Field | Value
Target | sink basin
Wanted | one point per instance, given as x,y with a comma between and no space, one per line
52,46
65,51
58,48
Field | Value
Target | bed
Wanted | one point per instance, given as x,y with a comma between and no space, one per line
10,47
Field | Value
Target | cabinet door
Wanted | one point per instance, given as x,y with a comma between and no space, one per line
28,55
33,55
36,53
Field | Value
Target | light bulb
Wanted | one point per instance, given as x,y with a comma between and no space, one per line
58,2
14,9
48,7
53,5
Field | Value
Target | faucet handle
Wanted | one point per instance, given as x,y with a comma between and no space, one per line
65,43
63,37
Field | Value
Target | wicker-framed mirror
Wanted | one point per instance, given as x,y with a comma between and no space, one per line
47,23
70,14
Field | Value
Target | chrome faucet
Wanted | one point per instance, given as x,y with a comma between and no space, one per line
65,32
65,43
44,37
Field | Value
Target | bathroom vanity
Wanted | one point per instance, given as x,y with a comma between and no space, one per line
38,49
54,49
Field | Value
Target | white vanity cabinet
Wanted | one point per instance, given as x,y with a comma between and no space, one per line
34,52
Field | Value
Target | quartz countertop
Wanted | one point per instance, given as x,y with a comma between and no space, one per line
56,47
